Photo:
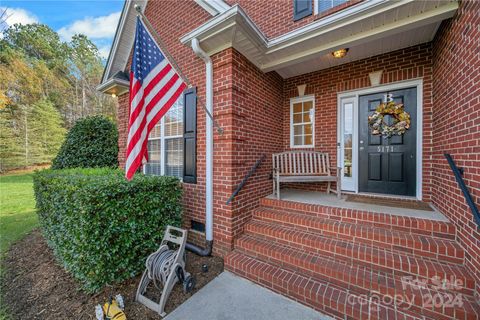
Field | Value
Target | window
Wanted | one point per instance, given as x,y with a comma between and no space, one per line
324,5
165,144
302,122
347,139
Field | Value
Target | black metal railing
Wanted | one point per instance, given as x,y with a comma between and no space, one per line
247,176
458,172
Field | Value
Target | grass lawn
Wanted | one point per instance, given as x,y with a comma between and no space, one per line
17,208
17,213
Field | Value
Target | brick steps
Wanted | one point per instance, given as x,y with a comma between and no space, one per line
356,278
355,253
328,298
352,264
319,295
432,247
387,221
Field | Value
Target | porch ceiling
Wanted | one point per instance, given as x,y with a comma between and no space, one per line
372,27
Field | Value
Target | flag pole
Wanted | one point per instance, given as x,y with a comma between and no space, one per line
175,65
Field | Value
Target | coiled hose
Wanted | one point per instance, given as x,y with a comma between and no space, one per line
159,265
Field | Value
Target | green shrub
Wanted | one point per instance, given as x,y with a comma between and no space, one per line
92,142
102,227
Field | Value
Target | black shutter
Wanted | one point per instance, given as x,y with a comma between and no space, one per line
190,135
301,9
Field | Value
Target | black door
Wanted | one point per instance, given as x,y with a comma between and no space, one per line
388,165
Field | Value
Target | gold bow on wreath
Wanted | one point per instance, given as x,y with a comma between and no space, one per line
401,120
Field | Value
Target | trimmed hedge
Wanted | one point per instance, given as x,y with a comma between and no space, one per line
91,143
101,226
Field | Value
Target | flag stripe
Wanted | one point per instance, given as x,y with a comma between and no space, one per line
139,124
154,87
134,117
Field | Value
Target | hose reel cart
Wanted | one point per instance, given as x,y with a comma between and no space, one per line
165,267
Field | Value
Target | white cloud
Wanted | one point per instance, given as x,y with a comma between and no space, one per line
94,28
104,51
18,15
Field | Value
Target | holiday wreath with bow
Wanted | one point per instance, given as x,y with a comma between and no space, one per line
401,120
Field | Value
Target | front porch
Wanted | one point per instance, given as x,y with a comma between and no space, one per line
323,199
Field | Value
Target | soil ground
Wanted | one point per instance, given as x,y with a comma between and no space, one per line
35,286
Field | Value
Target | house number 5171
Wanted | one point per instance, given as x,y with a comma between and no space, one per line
385,149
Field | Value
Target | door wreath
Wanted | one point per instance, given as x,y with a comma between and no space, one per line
401,120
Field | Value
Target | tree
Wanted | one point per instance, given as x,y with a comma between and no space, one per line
46,85
39,42
87,69
11,148
46,131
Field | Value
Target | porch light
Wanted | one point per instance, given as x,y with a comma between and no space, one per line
114,95
340,53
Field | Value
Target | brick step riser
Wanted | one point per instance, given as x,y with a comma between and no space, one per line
345,279
432,249
320,302
349,255
324,297
386,221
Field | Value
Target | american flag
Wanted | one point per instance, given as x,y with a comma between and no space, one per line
154,88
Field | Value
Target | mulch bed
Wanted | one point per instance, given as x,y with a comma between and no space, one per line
34,286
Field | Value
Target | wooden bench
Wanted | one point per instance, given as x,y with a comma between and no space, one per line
303,166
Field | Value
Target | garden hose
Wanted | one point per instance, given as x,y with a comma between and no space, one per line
159,266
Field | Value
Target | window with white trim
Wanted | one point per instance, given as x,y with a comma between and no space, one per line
324,5
302,122
165,144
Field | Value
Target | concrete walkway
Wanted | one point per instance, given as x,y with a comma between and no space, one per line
229,297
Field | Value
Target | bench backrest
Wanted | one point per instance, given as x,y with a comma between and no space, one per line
301,163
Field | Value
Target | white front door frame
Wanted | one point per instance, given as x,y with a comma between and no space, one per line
353,95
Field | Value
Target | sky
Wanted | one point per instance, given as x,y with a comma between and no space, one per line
97,19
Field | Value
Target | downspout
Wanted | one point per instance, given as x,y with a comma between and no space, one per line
209,154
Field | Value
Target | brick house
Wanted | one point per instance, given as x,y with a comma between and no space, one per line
276,87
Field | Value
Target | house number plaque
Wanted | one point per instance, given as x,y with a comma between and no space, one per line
385,149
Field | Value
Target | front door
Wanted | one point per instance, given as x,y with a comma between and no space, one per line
387,165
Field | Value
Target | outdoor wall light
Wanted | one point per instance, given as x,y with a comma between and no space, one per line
340,53
114,95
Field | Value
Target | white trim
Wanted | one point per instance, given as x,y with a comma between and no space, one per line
348,183
292,102
121,86
235,29
126,12
316,7
401,25
238,16
340,16
213,7
418,84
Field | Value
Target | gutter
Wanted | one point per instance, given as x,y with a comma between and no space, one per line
209,153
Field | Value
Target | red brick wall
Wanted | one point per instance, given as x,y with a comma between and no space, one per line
247,104
275,17
456,120
406,64
257,116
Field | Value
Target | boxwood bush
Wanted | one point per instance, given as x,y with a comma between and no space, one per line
91,143
100,226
